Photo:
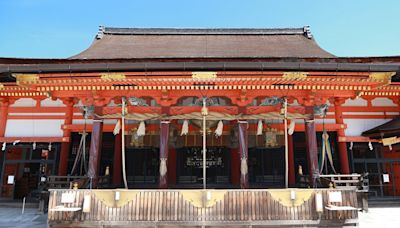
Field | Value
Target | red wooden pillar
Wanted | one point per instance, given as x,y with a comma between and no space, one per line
235,167
172,166
312,148
95,147
243,151
117,163
3,115
292,175
65,146
164,135
3,121
344,159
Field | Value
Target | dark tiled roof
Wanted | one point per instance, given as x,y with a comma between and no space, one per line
389,129
130,43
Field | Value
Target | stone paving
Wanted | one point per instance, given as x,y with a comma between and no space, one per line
380,218
11,217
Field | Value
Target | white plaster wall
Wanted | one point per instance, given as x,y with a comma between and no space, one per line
113,121
355,102
317,121
327,121
24,102
88,122
48,102
34,128
382,101
355,127
82,121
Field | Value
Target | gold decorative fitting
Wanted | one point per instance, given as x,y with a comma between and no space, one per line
112,76
295,75
204,75
1,86
26,78
382,76
283,196
204,198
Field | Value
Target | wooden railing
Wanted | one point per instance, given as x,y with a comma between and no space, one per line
196,207
355,181
66,182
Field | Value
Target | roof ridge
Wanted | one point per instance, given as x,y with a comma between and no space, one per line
203,31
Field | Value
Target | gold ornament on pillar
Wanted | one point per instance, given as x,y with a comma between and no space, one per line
204,111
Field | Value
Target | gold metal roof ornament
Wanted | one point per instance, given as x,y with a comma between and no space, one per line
295,75
112,76
385,77
26,78
204,75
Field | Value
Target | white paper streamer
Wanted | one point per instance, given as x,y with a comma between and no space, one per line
141,131
117,127
220,128
185,128
291,127
260,127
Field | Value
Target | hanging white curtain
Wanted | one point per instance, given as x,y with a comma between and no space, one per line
141,131
117,127
291,127
260,127
185,128
220,128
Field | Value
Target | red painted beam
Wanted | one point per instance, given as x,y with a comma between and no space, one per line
356,139
34,139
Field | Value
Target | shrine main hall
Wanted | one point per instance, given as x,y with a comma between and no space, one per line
161,108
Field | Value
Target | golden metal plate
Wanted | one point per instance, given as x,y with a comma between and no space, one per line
201,198
283,196
26,78
112,76
295,75
382,76
204,75
108,197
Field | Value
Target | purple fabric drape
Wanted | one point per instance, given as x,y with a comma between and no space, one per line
243,151
164,133
312,148
95,151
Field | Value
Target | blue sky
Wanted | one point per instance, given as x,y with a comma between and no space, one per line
62,28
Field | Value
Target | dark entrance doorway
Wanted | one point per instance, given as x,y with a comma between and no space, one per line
267,167
190,167
24,168
382,166
142,167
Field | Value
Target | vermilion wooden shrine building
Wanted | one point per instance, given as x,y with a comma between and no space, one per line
244,77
